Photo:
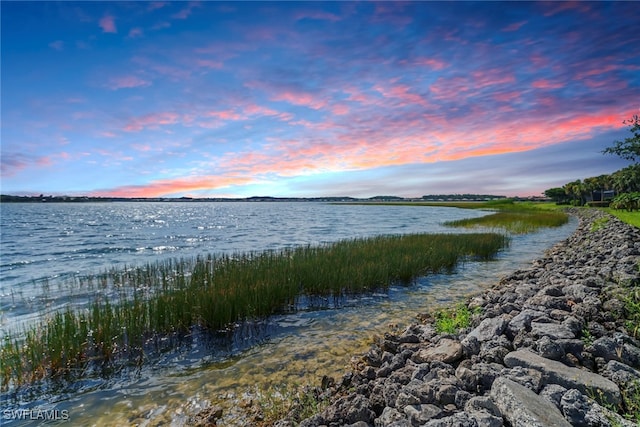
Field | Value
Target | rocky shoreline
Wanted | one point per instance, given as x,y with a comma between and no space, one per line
550,347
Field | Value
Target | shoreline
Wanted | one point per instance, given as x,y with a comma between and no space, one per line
550,347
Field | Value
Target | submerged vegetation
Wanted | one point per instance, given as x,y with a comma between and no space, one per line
137,307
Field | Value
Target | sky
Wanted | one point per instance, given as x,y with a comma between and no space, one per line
313,99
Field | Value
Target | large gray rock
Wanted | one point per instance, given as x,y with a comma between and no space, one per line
605,391
521,407
447,351
616,348
489,328
583,412
551,330
420,414
522,322
350,409
459,419
391,416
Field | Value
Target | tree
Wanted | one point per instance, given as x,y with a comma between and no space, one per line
627,180
556,194
629,149
576,191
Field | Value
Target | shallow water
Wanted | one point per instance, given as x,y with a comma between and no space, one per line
53,243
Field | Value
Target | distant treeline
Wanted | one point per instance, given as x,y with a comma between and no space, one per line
474,197
83,199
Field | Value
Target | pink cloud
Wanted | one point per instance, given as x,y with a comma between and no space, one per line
208,63
339,109
434,64
127,82
507,96
596,70
152,121
492,77
141,147
514,27
357,95
403,93
167,187
553,8
108,24
546,84
259,110
381,144
225,115
300,98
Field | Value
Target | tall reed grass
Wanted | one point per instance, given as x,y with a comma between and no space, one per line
133,307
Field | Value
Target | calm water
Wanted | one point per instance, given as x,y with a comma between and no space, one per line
44,246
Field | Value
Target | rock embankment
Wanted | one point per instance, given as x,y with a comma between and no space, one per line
552,346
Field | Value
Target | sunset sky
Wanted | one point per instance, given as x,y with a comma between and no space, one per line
238,99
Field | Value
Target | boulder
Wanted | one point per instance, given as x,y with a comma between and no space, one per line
521,407
489,328
554,372
446,350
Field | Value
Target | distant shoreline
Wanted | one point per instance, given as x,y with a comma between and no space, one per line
331,199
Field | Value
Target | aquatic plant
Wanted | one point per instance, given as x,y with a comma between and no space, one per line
134,307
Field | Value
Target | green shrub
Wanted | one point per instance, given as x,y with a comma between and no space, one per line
626,201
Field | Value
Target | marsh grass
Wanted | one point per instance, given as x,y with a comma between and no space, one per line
135,307
511,216
515,221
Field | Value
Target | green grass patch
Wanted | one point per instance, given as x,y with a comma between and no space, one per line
452,320
169,298
632,218
599,224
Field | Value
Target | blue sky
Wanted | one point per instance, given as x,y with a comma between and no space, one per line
237,99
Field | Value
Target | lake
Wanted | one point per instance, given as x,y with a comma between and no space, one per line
45,247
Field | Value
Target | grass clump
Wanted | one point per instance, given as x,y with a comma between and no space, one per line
599,224
452,320
631,401
631,301
289,401
136,306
